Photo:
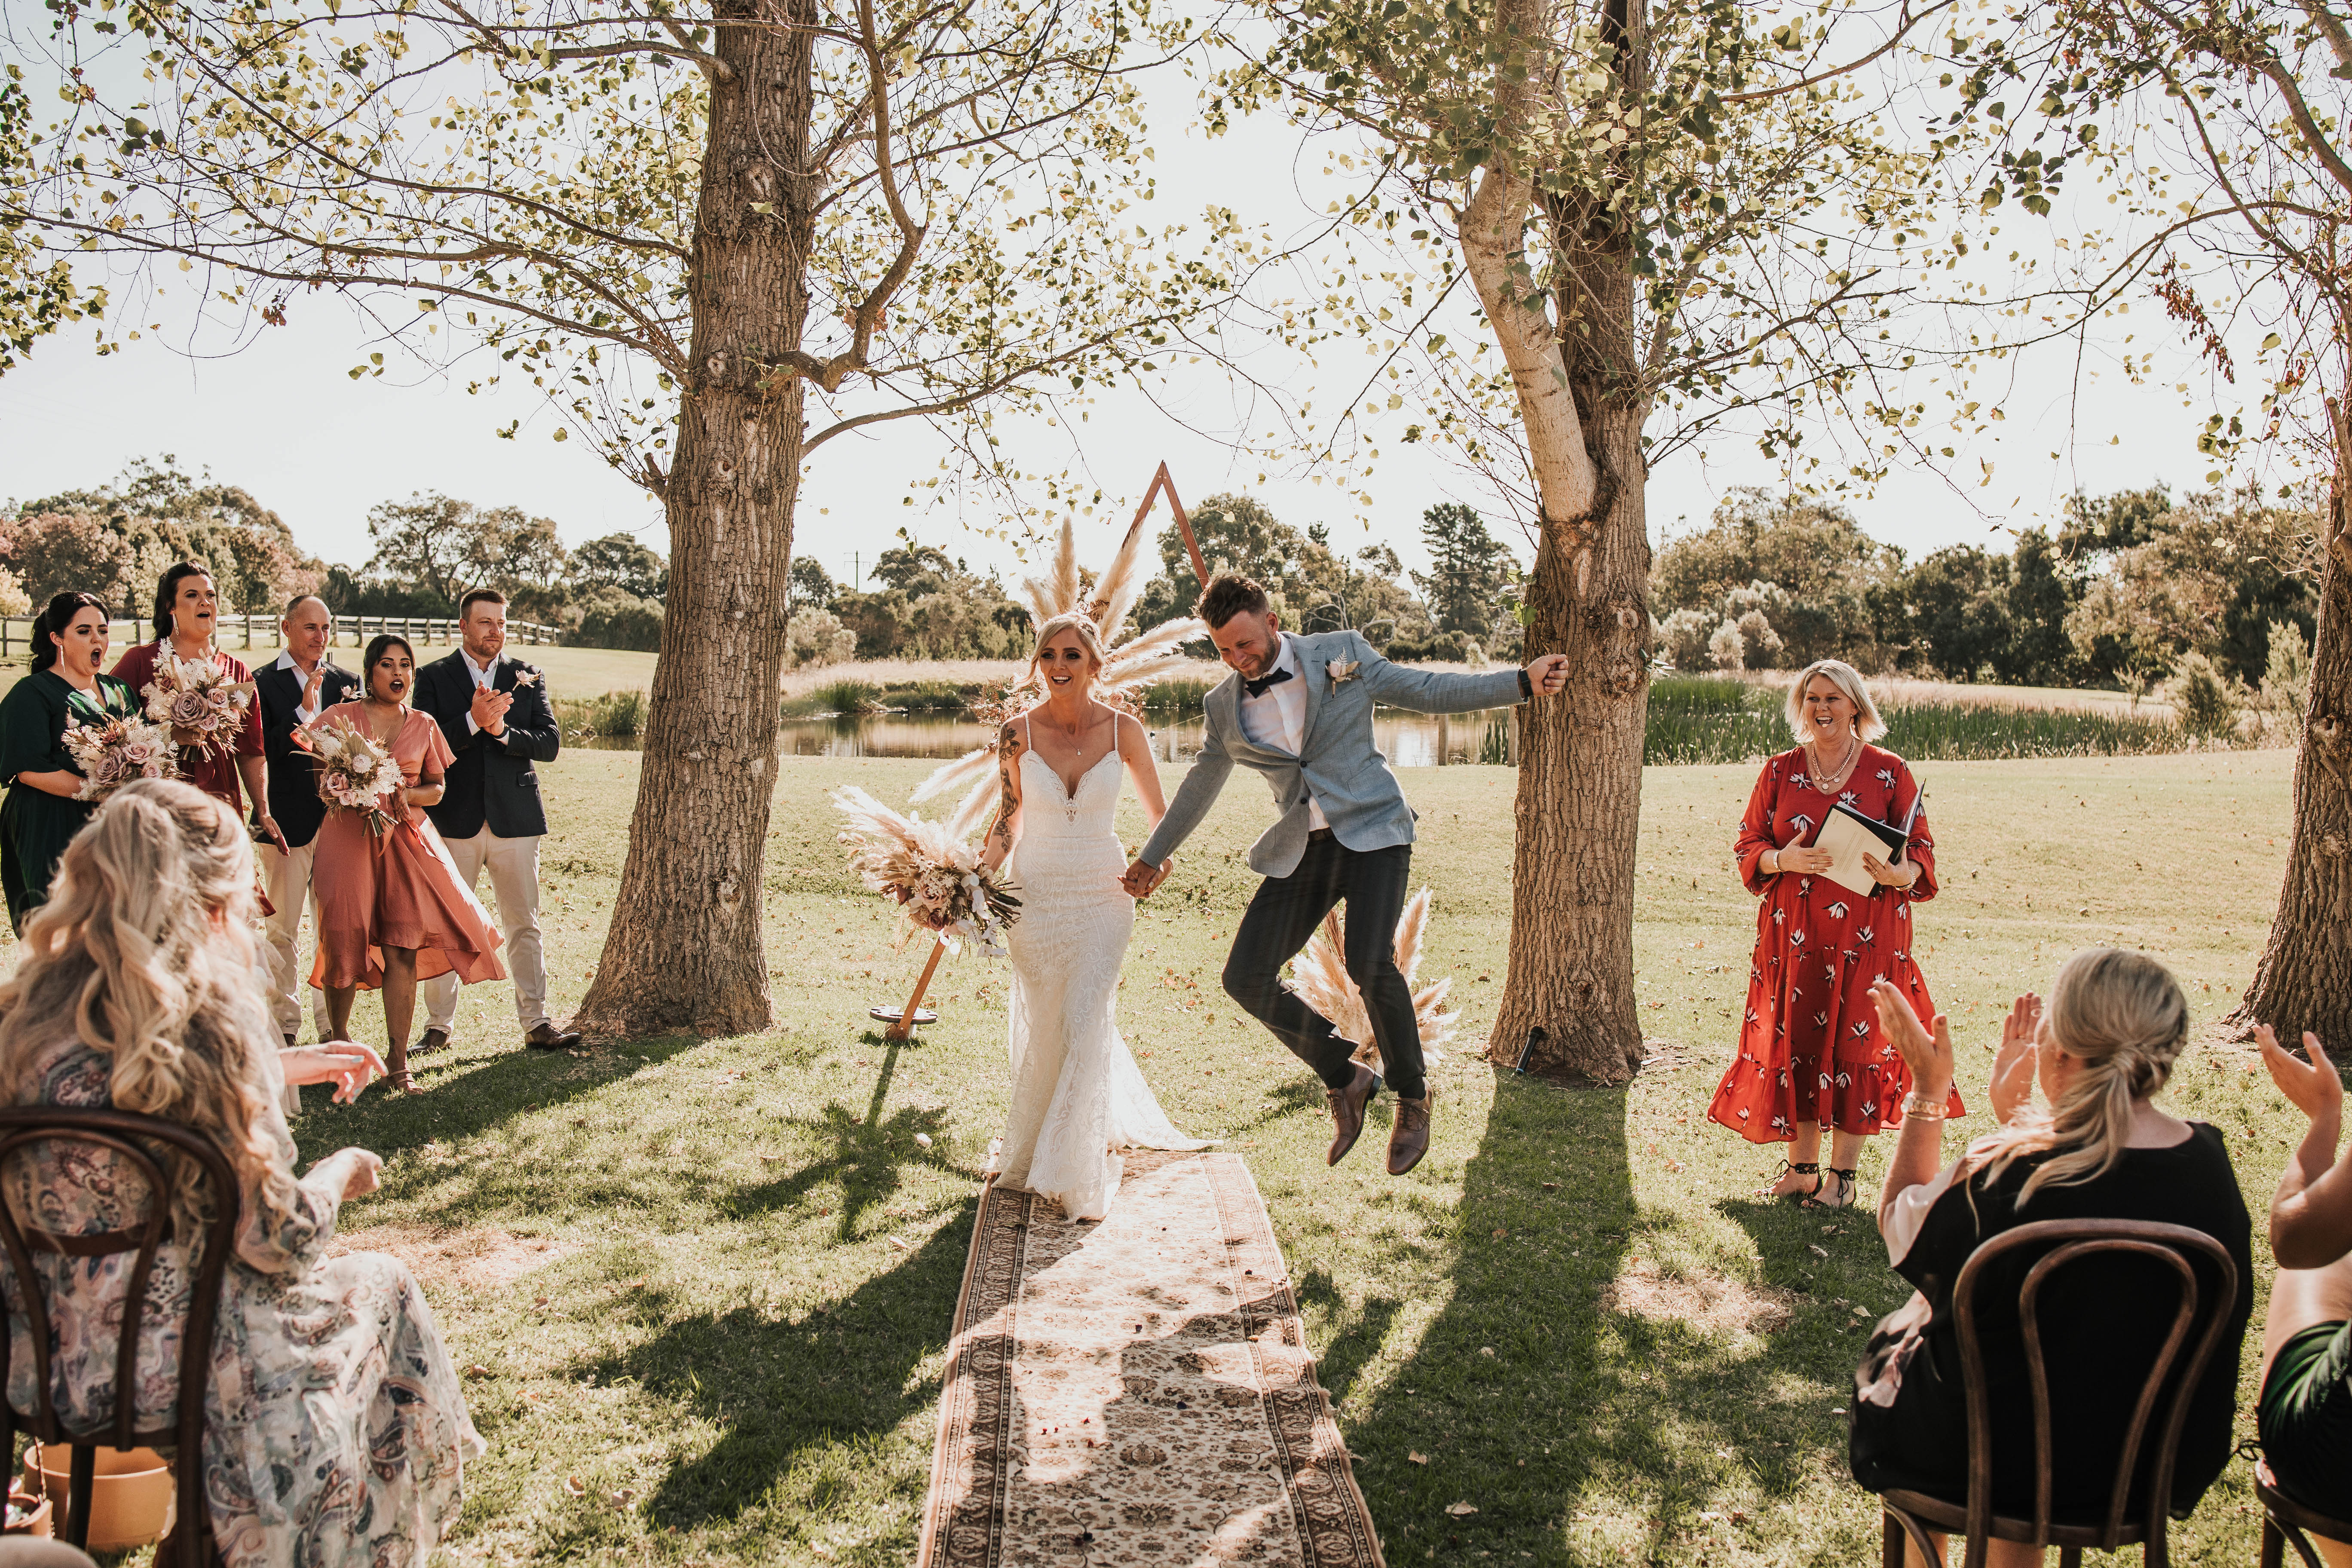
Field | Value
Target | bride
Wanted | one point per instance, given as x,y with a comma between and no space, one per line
1077,1096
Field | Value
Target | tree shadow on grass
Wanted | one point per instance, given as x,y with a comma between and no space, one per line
796,1400
1529,1402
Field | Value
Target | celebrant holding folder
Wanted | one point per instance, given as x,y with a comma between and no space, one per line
1810,1048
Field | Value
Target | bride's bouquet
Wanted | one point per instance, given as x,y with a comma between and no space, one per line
937,878
197,694
123,749
355,769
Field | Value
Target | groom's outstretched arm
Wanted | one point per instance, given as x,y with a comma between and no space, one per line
1199,790
1432,692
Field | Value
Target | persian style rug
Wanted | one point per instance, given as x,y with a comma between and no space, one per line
1136,1391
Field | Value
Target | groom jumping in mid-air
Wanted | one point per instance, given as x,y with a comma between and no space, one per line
1299,711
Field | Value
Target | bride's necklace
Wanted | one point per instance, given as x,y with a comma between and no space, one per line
1826,782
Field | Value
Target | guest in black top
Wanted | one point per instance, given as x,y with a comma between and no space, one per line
303,683
2099,1149
495,714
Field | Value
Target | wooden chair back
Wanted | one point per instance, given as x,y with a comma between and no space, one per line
2153,1437
129,1136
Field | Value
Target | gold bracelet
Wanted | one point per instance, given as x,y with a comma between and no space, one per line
1914,1106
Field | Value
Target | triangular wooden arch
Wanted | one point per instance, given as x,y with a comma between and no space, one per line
1161,481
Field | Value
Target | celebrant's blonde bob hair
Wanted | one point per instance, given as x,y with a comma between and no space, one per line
1867,724
1078,622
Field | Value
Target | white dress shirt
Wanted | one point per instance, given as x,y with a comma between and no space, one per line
302,714
1277,717
483,674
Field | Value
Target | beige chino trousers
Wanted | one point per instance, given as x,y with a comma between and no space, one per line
513,866
286,874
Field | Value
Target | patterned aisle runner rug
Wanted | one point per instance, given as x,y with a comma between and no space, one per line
1138,1391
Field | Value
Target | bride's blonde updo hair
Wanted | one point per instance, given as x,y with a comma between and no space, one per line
1089,639
2122,1016
145,951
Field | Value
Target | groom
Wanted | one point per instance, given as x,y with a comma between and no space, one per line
1299,711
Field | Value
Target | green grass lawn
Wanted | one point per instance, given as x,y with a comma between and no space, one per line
706,1284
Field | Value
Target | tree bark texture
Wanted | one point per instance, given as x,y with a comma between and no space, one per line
1567,1009
2304,978
684,950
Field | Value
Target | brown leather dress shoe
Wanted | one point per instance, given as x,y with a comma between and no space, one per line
546,1036
1409,1138
1348,1110
432,1040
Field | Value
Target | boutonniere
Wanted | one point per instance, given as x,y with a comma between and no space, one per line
1340,669
526,677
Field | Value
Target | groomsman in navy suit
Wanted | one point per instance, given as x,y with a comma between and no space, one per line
495,714
302,684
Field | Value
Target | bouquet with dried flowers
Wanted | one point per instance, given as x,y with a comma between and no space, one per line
1320,975
356,770
196,696
124,748
937,878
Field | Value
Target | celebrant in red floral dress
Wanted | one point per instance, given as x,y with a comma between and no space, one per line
1811,1048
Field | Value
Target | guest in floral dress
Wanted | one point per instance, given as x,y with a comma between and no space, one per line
335,1431
1811,1048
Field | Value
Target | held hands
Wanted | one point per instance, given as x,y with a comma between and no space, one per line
2013,1066
1141,879
1548,674
2311,1086
490,709
1927,1053
346,1064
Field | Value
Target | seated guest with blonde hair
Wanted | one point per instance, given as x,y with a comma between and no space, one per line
2304,1414
2099,1149
335,1431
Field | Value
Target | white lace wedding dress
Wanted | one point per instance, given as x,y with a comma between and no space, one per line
1078,1096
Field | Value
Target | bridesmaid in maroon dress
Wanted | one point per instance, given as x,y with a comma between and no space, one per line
392,909
1811,1048
187,612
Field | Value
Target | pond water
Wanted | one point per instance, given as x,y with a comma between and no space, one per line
1409,739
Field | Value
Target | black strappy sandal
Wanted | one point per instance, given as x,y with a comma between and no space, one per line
1846,1191
1789,1168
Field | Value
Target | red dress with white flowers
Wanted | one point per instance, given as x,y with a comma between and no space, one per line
1810,1048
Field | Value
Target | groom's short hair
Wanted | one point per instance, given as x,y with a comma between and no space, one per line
1229,593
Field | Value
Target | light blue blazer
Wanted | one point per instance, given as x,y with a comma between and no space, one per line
1339,766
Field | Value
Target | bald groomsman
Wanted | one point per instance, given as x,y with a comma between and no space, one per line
301,685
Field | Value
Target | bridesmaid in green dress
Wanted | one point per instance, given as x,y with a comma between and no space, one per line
40,814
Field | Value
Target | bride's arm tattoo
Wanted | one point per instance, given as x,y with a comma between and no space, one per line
1008,794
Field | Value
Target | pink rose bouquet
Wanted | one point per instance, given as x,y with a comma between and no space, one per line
123,749
356,770
196,694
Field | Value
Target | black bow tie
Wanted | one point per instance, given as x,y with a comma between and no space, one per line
1258,688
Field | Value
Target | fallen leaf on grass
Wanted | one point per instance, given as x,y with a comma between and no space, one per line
923,1139
1460,1509
896,1242
1817,1251
477,1370
1416,1458
572,1484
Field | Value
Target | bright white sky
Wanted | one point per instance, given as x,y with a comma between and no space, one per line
283,419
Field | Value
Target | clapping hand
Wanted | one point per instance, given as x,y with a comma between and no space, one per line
1926,1050
2312,1086
490,709
347,1064
2014,1065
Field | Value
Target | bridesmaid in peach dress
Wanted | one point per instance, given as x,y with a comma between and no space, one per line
392,909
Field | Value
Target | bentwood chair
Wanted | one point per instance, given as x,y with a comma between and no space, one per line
2287,1523
2198,1321
134,1139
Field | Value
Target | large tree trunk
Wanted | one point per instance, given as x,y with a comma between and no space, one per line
684,950
1567,1006
2304,978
